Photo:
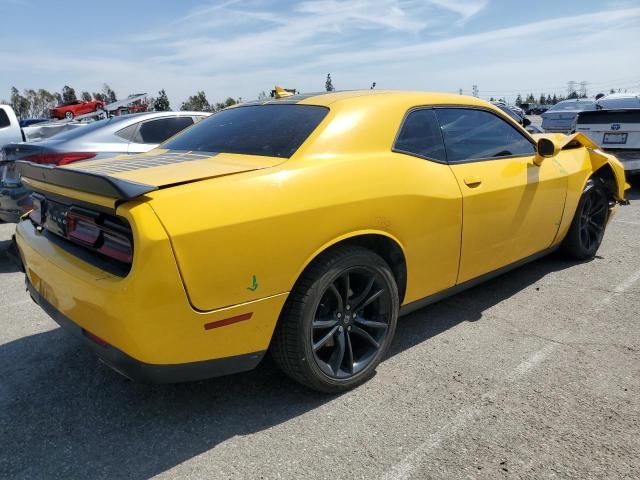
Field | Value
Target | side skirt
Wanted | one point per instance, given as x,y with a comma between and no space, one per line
436,297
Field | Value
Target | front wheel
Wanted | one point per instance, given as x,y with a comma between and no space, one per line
68,114
338,321
589,222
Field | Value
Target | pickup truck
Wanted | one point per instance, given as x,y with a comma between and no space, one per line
10,130
617,132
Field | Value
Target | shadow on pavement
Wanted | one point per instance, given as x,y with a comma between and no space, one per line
64,414
7,263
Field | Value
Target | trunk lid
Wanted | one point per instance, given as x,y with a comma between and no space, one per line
129,176
161,168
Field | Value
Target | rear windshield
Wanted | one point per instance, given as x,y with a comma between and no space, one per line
269,130
573,106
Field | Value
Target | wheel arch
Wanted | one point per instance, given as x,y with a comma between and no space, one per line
608,176
379,242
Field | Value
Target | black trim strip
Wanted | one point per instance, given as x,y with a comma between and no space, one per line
436,297
148,372
84,181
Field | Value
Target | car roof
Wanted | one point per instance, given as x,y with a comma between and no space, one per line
415,97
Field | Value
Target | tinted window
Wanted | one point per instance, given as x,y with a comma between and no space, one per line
476,134
420,135
271,130
4,119
128,132
157,131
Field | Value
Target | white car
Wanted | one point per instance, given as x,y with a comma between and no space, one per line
618,101
617,132
9,126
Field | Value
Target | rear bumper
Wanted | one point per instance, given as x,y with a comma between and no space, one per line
147,372
145,317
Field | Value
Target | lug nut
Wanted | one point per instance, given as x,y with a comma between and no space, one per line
339,315
348,307
340,329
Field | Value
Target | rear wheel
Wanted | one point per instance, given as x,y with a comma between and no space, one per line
590,220
68,114
338,321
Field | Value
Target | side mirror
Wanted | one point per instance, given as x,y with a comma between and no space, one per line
526,122
546,148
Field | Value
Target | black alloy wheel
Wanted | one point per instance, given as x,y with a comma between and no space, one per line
593,219
351,322
338,321
589,223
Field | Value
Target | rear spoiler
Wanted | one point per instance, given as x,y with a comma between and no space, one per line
89,182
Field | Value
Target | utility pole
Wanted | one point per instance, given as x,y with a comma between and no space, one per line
460,91
475,91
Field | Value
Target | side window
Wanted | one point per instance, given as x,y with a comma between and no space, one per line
420,135
4,119
128,132
157,131
479,135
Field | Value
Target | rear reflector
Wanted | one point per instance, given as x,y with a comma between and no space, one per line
59,158
228,321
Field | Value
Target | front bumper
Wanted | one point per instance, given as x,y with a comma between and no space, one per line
147,372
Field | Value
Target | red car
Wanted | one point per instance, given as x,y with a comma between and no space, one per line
72,109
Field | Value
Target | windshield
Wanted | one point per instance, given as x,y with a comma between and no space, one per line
573,106
269,130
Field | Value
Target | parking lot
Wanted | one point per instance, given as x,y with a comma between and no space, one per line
534,374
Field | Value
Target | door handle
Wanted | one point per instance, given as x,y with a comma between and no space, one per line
472,182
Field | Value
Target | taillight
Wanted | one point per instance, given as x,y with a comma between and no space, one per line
59,158
109,237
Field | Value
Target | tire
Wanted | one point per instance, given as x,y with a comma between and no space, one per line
68,114
338,321
589,222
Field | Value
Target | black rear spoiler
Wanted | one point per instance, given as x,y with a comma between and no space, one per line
89,182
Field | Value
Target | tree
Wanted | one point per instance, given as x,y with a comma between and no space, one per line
109,94
161,103
328,84
68,94
262,95
554,100
86,96
531,98
493,99
548,101
197,102
542,100
19,103
519,100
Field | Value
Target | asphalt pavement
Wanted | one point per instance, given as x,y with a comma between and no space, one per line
535,374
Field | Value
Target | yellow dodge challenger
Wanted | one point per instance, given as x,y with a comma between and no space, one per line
303,226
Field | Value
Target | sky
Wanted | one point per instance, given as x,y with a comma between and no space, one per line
235,48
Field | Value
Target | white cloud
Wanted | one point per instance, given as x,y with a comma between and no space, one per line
230,49
465,8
